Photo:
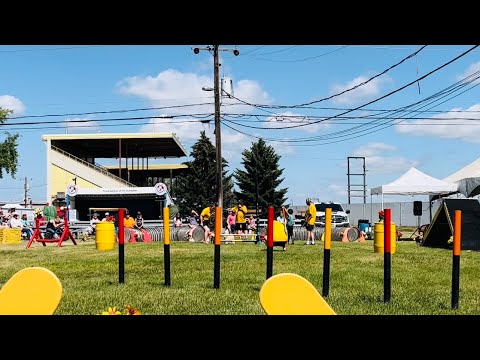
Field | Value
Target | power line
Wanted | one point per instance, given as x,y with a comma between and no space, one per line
51,49
340,93
400,88
305,59
443,93
257,48
278,51
109,111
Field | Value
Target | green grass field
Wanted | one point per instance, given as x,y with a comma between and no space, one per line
421,277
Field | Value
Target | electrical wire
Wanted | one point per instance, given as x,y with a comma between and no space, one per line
340,93
398,89
109,111
305,59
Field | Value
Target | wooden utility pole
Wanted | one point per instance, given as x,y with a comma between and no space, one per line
25,194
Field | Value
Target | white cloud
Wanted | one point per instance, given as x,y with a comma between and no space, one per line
80,125
378,160
338,190
248,91
173,88
473,68
362,93
448,125
12,103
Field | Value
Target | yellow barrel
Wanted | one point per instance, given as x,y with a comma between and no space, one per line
378,241
279,232
105,235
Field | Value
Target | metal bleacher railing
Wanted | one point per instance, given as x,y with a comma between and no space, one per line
94,167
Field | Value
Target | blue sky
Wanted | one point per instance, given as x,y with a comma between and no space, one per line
438,136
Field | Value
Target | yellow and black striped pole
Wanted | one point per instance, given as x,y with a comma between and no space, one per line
387,257
326,252
166,244
217,241
456,258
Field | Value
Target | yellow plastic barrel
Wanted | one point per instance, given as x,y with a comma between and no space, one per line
279,234
105,235
378,241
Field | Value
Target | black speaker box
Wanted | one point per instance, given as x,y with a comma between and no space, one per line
417,208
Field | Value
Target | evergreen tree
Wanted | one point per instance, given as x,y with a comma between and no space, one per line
8,149
197,186
262,168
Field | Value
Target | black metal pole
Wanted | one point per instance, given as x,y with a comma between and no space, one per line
257,237
387,258
456,258
216,266
121,247
166,245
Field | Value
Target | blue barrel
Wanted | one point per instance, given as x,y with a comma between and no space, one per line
363,227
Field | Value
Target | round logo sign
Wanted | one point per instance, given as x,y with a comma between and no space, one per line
160,188
72,190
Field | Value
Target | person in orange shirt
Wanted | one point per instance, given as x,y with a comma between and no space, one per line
128,221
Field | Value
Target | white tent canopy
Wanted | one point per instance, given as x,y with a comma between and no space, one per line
467,179
415,182
13,206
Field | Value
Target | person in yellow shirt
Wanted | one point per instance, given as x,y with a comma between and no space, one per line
241,220
128,221
310,217
205,217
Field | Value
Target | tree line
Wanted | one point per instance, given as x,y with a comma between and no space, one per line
257,184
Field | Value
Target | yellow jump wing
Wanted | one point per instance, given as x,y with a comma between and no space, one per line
31,291
291,294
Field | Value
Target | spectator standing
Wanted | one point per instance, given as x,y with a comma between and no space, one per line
205,221
310,216
192,224
252,224
241,220
231,222
290,223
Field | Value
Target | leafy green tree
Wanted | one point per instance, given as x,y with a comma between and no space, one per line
197,186
8,149
262,168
